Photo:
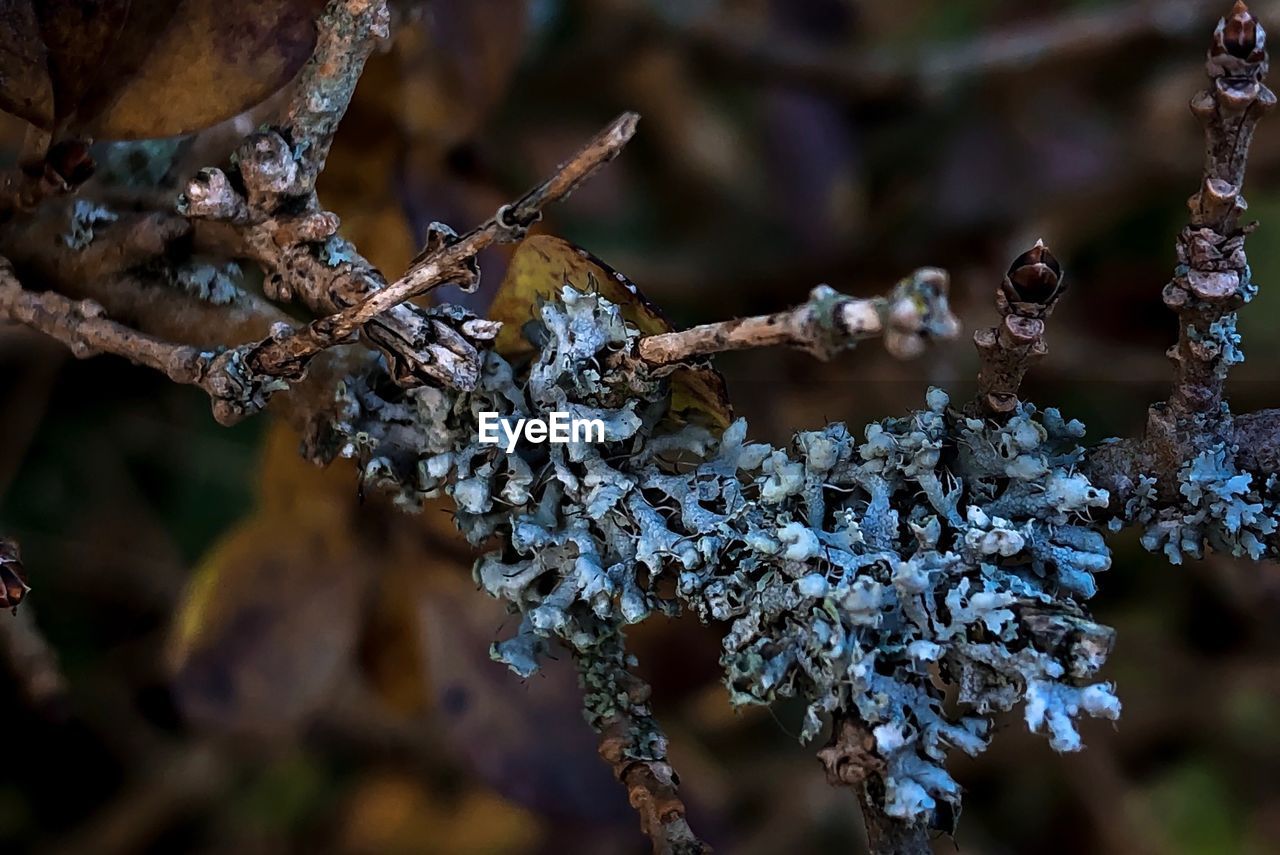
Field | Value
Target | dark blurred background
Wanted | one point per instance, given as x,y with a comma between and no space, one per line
225,651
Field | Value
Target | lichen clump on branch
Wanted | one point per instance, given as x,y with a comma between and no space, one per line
866,577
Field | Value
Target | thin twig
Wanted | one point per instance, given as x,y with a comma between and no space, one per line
83,327
633,744
1211,282
1213,276
850,760
451,260
826,324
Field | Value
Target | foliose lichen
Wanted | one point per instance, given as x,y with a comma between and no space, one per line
85,217
865,575
216,283
1221,508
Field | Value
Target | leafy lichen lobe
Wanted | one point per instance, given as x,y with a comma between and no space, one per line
866,576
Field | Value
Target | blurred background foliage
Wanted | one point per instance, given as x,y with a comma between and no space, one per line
256,659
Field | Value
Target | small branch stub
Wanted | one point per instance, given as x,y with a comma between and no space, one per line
1026,297
850,760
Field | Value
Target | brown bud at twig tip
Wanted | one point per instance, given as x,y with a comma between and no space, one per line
13,582
1034,282
1239,35
1025,298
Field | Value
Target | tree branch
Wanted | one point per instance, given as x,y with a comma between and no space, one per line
1211,281
83,327
129,269
277,219
347,34
826,324
633,744
448,258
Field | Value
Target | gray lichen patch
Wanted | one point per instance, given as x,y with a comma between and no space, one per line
1222,508
85,217
868,576
214,282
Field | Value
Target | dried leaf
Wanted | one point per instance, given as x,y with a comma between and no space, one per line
390,812
270,620
545,758
131,69
78,38
543,264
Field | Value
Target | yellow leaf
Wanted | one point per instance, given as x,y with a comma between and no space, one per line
267,628
390,813
542,265
298,493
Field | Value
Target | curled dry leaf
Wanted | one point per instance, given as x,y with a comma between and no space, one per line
133,69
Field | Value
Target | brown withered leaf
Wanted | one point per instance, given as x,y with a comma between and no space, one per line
270,621
78,37
133,69
525,738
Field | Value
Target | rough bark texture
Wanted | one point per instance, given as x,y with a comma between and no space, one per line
1210,283
634,746
265,209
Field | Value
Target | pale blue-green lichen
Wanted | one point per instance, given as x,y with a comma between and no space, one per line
866,576
336,251
138,163
1221,342
85,217
216,283
1221,507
